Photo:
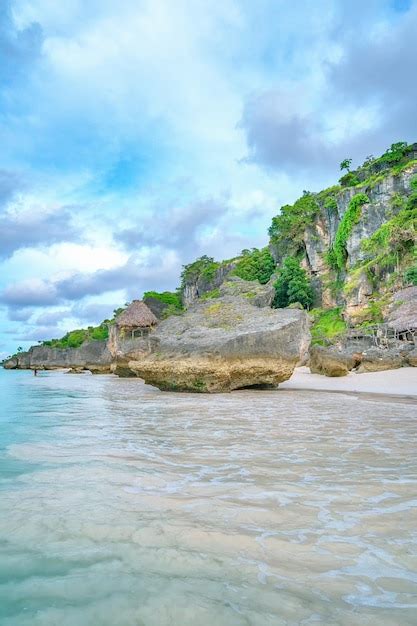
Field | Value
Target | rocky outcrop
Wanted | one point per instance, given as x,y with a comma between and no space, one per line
223,345
362,355
332,361
199,285
376,360
253,292
93,356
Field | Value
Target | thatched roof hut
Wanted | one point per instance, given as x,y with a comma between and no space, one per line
137,315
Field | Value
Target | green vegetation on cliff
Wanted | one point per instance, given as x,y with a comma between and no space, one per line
292,285
255,265
328,324
205,267
76,338
287,228
394,242
167,297
337,255
171,300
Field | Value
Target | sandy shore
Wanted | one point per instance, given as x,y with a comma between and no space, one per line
401,382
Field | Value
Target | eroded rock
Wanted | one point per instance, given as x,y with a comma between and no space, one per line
331,361
223,345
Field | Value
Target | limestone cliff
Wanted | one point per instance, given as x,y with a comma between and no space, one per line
93,356
356,240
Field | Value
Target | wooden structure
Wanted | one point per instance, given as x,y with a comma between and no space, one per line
136,321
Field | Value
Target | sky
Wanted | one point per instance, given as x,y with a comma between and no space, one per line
136,136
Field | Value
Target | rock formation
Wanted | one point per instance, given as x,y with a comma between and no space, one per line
235,340
224,345
93,356
356,244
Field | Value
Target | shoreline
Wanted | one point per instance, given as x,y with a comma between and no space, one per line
397,383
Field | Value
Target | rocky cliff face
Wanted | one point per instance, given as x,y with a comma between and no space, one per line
196,286
359,281
93,356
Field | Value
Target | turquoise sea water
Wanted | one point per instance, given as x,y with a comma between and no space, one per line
124,506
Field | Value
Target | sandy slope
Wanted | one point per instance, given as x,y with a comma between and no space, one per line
401,381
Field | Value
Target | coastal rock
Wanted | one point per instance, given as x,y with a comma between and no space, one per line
376,360
332,361
254,293
93,356
412,358
157,306
223,345
198,286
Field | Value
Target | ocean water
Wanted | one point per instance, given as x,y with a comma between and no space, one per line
124,506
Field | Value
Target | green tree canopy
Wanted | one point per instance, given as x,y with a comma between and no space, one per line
292,285
255,265
345,164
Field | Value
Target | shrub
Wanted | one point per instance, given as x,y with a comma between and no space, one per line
292,285
167,297
76,338
211,295
395,153
349,180
410,275
327,324
204,267
255,265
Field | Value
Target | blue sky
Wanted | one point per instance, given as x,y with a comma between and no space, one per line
137,135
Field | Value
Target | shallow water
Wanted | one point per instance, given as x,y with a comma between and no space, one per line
124,506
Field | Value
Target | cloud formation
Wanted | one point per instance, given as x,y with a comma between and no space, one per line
364,100
149,133
19,48
33,227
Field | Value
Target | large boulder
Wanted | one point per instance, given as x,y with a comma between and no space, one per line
332,361
224,344
377,360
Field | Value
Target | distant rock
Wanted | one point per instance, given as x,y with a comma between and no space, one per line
412,358
93,356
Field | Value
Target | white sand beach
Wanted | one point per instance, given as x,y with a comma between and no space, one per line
402,382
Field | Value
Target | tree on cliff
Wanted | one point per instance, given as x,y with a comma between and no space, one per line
345,164
292,285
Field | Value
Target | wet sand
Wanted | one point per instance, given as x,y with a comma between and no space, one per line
399,382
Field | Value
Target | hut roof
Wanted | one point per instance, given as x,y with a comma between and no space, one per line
137,315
